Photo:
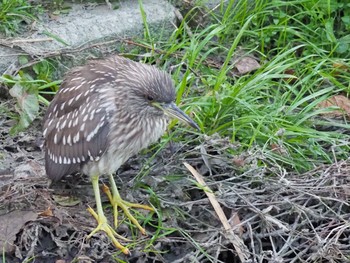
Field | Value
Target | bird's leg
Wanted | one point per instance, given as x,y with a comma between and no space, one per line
102,220
117,201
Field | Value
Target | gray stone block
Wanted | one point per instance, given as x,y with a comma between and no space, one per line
86,24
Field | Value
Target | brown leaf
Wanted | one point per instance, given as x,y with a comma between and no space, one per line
245,65
238,161
278,149
47,212
340,65
336,101
235,222
291,79
10,224
340,68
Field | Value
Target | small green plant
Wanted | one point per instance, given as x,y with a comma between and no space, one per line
13,13
30,88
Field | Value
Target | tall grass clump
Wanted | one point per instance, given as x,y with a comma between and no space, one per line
299,45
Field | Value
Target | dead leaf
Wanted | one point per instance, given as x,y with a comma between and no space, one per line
238,161
235,222
66,200
340,101
340,68
10,225
245,65
292,79
47,212
278,149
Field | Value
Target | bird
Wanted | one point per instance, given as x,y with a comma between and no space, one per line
103,113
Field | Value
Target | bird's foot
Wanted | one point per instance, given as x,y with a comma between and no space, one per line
117,201
111,233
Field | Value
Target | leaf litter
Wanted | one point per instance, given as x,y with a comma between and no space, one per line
280,216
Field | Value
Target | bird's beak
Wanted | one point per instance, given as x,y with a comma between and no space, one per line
171,110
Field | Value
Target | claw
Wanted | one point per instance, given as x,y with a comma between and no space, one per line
104,226
116,201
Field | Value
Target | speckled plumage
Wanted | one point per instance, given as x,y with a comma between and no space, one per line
102,115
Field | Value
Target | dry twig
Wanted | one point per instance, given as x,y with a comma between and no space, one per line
236,241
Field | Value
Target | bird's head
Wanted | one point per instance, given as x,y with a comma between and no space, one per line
152,93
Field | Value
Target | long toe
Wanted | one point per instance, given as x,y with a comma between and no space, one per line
116,201
102,225
125,206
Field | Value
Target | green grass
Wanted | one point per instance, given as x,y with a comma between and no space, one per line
15,13
270,106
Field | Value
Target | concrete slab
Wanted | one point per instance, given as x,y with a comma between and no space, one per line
88,24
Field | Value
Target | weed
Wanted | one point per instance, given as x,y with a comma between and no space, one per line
13,13
30,88
298,51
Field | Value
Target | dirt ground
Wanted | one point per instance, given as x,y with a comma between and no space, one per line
279,216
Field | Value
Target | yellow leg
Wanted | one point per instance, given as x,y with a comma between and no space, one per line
102,220
117,201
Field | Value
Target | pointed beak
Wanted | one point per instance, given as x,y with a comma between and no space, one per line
171,110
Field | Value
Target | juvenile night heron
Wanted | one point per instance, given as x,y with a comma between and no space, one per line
105,112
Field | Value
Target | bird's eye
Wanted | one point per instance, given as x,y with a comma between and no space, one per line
150,98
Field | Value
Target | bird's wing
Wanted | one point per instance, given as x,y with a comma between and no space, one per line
75,130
